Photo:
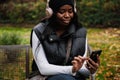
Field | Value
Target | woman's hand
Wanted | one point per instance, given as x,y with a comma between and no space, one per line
77,63
92,66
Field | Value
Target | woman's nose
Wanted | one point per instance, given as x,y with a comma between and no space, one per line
67,14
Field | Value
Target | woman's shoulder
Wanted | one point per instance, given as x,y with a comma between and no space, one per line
81,31
40,26
80,27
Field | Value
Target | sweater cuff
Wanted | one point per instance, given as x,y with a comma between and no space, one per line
74,74
71,73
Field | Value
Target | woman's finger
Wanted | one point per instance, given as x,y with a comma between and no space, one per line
90,66
98,59
79,60
96,65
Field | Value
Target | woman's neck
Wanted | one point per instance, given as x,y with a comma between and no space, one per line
60,32
59,29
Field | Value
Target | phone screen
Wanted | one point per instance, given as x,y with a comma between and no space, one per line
94,54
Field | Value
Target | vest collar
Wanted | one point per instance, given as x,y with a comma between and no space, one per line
68,33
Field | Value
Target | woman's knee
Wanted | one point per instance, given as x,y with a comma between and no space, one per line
61,77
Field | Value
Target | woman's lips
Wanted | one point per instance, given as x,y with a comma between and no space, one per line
66,21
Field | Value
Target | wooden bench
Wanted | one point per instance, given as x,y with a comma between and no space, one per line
10,53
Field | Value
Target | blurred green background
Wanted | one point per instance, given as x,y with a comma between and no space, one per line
90,12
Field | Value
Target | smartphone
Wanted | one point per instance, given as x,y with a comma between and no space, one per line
94,54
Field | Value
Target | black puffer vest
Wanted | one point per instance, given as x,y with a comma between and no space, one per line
55,47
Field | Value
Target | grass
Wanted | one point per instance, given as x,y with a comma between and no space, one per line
106,39
24,32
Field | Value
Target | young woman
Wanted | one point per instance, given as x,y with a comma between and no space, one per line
59,45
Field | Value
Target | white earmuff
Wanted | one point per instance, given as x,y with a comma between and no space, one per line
49,11
75,6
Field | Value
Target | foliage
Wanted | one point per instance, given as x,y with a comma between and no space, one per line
23,33
99,12
90,12
22,12
7,38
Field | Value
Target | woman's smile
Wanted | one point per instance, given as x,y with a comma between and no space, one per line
66,21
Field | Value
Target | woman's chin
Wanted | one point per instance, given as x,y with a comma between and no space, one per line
66,23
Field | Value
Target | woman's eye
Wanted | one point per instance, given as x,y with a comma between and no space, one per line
61,11
70,11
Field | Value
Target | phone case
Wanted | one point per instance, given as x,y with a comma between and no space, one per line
94,54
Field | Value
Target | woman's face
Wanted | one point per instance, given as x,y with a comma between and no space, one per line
65,15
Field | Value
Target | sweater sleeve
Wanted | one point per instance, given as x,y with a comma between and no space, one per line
40,58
